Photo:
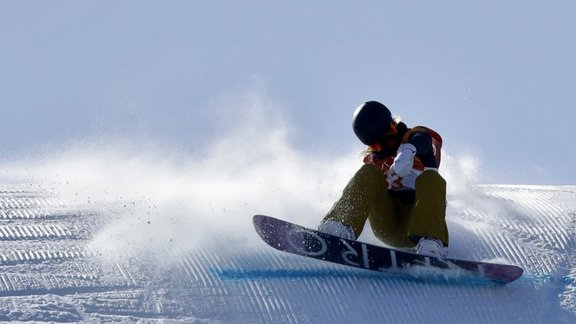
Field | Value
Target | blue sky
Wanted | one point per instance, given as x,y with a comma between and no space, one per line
495,78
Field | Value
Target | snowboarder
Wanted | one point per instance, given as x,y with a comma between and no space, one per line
398,189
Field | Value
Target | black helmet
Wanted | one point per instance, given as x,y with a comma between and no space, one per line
371,122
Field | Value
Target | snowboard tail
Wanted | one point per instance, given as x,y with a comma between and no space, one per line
296,239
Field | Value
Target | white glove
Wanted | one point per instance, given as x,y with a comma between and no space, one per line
404,160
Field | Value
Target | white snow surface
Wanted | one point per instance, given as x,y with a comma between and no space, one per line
125,233
63,262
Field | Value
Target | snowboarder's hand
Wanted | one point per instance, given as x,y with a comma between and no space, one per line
404,160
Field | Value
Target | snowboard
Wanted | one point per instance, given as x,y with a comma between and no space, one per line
296,239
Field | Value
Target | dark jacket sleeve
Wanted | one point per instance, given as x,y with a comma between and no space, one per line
424,150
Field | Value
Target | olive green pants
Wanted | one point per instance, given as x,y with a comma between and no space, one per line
395,223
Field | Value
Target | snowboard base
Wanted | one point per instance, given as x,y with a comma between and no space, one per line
296,239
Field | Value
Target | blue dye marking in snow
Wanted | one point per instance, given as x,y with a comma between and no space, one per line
286,273
256,274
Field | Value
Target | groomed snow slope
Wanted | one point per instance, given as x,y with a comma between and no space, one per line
57,265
